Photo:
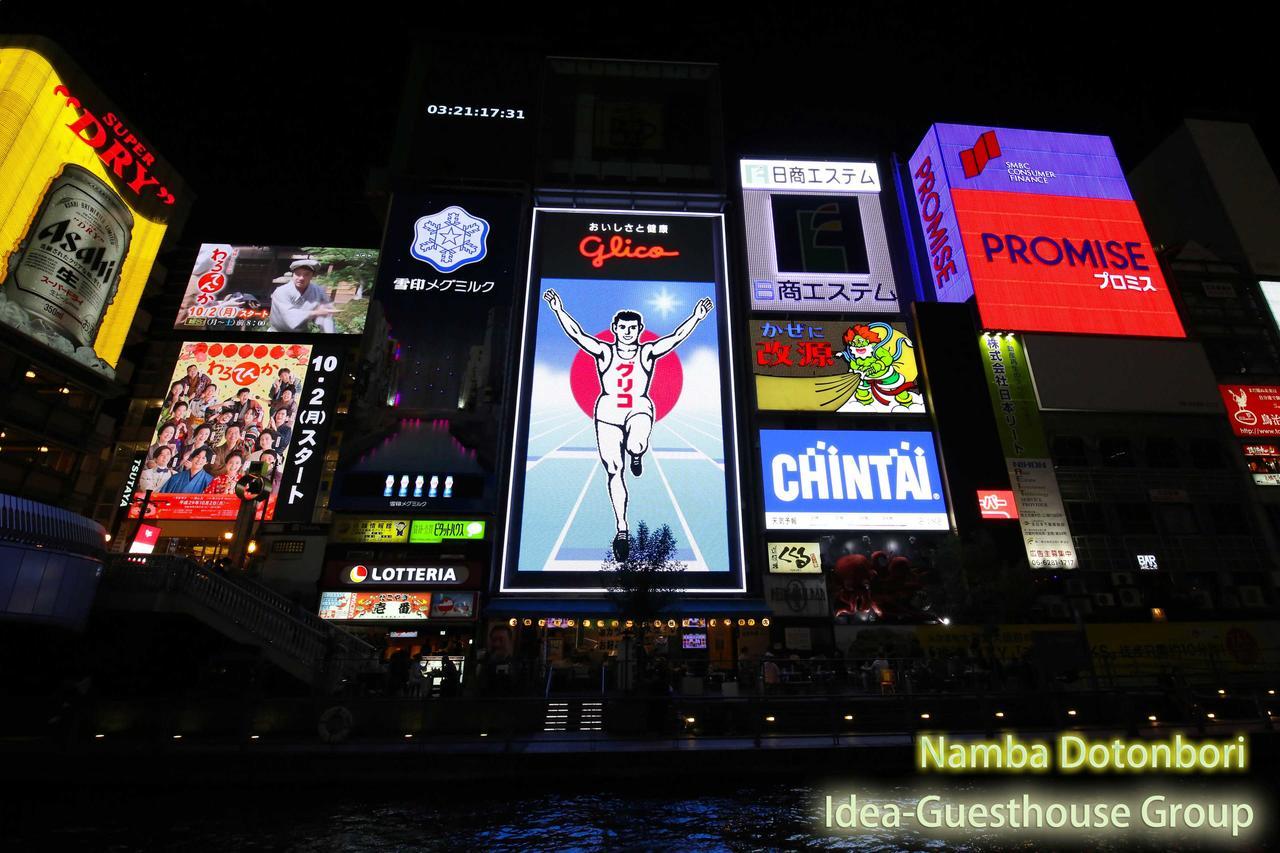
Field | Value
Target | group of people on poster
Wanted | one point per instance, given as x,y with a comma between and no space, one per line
209,437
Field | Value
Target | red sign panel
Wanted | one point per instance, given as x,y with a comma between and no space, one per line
145,541
998,505
1048,263
1254,409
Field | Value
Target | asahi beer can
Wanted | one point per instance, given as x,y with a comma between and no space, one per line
67,267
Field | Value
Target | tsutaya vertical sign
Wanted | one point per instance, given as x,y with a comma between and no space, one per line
1035,486
815,237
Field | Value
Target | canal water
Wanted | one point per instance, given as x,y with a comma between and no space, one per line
707,814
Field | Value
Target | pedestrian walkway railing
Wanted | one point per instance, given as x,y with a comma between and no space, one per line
278,624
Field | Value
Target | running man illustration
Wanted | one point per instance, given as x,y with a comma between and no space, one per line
624,413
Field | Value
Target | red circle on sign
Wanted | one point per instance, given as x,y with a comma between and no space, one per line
664,389
211,282
246,373
277,352
358,574
215,350
260,351
246,350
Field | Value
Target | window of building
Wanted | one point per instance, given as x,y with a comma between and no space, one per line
1069,450
1085,517
1135,518
1116,452
1177,519
1229,519
1162,452
1207,454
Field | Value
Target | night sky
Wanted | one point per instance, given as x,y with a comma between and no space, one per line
275,115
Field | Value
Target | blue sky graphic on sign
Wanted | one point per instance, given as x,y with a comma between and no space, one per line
842,479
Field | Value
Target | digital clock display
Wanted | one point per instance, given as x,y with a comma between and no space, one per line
475,112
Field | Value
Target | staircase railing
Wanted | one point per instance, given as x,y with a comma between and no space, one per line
270,617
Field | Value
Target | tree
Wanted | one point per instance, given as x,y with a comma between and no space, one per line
648,583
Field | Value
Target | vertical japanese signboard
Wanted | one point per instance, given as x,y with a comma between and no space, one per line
816,238
1045,531
626,411
310,435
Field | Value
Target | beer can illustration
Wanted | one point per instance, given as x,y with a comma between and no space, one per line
67,266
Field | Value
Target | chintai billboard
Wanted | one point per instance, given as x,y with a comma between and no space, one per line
1041,228
851,480
625,406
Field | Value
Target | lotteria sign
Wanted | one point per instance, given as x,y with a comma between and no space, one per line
1042,229
841,479
442,575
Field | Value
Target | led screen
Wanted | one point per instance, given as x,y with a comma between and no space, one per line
85,204
300,290
430,390
815,237
816,364
1254,409
626,413
1042,229
846,480
229,406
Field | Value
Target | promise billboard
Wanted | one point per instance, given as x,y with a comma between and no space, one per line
1042,229
85,204
625,406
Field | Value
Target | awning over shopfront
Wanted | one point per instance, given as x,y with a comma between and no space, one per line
709,607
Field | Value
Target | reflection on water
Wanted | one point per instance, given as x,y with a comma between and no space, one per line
652,815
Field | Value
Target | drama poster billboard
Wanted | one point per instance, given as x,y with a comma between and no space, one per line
231,407
815,364
85,205
430,389
298,290
626,401
816,237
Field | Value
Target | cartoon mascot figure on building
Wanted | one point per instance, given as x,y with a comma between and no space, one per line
869,358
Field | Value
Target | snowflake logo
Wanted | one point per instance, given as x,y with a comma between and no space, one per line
449,239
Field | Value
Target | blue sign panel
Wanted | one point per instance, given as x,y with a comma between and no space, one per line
847,480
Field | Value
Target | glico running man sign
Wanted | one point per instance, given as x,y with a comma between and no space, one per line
625,405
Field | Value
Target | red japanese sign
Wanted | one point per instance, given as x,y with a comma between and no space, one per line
1061,264
999,505
1253,409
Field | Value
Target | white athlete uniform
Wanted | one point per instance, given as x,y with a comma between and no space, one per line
624,387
